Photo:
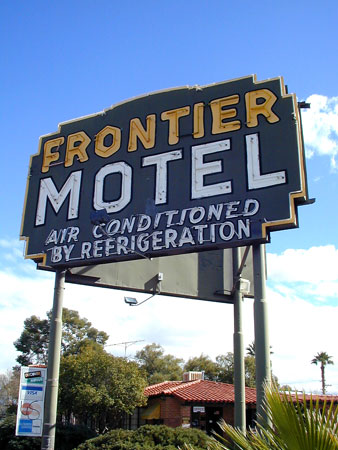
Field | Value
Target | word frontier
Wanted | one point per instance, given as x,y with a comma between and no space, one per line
107,142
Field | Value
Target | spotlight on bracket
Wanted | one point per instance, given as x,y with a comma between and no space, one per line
131,301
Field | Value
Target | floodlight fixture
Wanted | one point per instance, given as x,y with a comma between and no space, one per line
132,301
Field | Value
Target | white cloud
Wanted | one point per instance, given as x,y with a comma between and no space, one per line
310,274
314,265
320,125
298,331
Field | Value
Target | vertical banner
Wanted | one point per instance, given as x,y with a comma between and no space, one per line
29,419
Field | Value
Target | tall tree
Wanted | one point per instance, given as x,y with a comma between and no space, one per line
202,363
33,342
251,349
34,339
157,366
98,388
323,359
225,369
9,389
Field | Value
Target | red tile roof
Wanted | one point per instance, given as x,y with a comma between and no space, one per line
200,391
213,392
315,397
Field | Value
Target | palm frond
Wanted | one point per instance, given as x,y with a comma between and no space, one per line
294,423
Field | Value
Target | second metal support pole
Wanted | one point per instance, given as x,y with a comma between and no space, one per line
262,346
239,367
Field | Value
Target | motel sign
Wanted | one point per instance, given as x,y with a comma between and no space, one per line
176,171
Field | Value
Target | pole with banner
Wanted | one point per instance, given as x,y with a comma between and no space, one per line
54,350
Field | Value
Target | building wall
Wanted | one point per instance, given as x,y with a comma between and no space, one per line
229,413
171,412
175,414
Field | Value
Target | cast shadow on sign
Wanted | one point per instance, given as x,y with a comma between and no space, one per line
205,275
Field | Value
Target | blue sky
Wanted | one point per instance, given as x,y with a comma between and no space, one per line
63,60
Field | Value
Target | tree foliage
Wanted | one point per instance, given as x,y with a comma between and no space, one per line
222,369
323,359
251,349
157,366
97,388
9,388
250,371
34,339
202,363
225,368
33,342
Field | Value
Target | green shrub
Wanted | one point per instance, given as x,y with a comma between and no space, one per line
154,435
107,440
70,436
8,440
193,436
67,437
148,437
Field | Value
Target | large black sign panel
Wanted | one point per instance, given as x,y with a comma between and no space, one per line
182,170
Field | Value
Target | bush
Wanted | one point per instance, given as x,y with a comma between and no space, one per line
67,437
195,437
148,437
8,440
70,436
107,441
154,435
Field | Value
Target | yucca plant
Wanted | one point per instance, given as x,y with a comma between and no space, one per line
297,424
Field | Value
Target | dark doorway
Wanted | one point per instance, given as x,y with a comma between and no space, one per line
251,418
213,416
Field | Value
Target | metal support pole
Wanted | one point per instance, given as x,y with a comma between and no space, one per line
54,350
239,369
262,346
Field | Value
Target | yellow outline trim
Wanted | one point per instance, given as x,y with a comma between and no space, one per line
293,195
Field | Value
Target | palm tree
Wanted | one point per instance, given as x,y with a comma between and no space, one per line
251,349
298,423
323,359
